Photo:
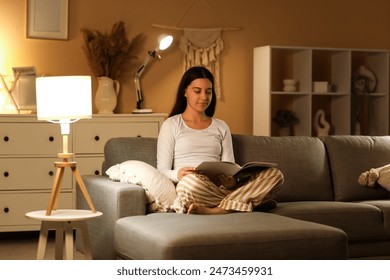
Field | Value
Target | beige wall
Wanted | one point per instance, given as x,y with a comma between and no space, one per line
322,23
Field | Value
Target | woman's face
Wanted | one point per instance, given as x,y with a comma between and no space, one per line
199,94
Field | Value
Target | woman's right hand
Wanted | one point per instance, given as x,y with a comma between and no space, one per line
185,171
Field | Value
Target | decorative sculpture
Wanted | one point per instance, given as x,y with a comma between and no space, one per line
321,126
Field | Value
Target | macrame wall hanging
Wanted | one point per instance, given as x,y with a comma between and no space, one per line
202,46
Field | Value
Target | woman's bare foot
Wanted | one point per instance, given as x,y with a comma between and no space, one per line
198,209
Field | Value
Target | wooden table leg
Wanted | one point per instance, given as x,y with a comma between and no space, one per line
59,242
82,225
68,227
43,240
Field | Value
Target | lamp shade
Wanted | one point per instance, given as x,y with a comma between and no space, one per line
64,97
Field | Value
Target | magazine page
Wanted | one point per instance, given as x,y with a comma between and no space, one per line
214,168
242,174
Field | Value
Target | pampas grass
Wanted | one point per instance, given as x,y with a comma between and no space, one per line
109,54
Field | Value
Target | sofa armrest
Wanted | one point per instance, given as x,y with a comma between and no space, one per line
115,200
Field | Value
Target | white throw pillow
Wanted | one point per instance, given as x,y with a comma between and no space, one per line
160,191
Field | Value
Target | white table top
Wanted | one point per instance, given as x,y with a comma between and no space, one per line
61,215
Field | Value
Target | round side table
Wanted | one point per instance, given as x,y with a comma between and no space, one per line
63,221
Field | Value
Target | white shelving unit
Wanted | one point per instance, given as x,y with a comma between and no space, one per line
273,64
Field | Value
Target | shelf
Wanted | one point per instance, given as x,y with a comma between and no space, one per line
336,66
289,93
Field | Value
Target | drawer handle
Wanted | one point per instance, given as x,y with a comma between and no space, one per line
6,138
139,136
97,172
6,210
51,138
6,174
51,173
97,138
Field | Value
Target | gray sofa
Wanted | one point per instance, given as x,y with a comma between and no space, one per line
322,212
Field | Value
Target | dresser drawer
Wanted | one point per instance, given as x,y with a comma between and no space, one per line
30,174
30,139
14,206
91,137
90,165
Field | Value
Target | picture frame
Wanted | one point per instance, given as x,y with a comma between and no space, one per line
47,19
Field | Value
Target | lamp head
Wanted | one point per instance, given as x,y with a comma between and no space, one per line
164,42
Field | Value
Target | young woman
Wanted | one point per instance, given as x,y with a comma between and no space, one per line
192,135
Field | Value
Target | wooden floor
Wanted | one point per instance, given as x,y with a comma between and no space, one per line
24,245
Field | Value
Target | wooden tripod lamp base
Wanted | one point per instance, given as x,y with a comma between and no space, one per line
56,189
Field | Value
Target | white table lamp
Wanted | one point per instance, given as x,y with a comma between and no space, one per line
164,43
64,100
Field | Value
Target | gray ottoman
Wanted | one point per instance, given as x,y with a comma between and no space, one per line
239,236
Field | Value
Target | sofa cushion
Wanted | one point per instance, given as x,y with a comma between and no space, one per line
301,159
384,206
231,236
349,156
160,191
360,221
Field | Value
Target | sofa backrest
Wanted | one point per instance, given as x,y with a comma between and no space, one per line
301,159
349,156
118,150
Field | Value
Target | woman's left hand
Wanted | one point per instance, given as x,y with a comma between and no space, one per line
227,181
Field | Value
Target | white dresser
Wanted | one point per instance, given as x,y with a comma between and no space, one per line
28,149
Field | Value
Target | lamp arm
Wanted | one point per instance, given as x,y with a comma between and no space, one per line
138,92
137,76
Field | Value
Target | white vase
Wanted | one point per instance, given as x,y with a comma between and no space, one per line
106,95
289,85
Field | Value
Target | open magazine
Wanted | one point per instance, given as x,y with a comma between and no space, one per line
241,173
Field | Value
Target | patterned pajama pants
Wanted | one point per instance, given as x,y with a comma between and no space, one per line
198,189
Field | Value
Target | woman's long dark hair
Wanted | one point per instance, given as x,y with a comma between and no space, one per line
191,74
